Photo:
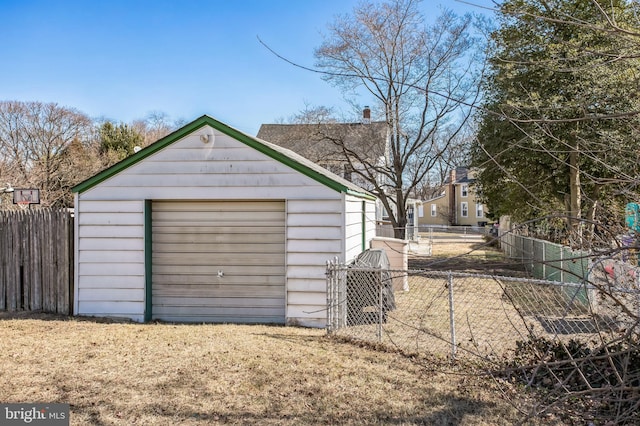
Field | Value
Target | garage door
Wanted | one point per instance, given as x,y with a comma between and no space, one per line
219,261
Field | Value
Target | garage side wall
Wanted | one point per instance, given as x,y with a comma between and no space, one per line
314,235
360,225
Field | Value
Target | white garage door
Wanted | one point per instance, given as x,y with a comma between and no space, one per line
219,261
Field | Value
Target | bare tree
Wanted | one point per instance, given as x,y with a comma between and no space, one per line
423,79
154,126
33,139
456,155
314,115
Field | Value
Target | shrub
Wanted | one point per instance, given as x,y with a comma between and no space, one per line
584,380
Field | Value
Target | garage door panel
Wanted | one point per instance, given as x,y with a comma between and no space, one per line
214,281
246,270
246,206
193,241
240,304
223,319
220,260
202,293
225,217
208,248
222,230
216,238
219,315
238,314
206,290
239,222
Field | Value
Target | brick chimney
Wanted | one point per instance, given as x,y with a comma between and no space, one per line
366,115
452,199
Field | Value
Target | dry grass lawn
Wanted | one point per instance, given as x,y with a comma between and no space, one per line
117,373
162,374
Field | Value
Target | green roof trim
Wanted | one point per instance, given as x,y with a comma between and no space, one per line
282,155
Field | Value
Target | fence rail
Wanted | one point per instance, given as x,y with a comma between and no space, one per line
36,252
459,314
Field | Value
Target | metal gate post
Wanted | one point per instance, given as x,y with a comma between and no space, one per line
452,323
380,305
330,298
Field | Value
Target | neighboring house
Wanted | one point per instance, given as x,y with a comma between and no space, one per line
456,205
322,144
209,224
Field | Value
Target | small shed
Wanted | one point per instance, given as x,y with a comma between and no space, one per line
210,224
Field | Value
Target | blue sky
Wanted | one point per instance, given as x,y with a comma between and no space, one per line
122,59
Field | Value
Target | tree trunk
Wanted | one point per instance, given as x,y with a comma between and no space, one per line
575,212
400,228
591,215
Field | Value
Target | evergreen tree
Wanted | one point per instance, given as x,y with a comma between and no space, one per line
118,141
556,135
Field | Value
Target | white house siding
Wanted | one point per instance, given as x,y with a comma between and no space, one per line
190,170
110,266
357,234
314,235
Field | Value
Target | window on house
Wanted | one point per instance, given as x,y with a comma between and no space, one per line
464,190
479,210
464,209
434,210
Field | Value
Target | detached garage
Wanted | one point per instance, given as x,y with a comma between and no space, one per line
211,225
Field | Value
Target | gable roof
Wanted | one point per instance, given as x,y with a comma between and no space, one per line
278,153
317,142
437,197
460,175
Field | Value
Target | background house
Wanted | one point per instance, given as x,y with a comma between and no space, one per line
211,225
457,204
365,142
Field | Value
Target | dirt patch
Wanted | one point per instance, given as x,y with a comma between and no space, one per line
455,253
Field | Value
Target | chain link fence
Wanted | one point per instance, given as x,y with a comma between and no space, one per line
465,315
546,260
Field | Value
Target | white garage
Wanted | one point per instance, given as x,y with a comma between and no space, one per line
212,225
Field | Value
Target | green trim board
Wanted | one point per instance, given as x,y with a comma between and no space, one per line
148,260
364,225
283,155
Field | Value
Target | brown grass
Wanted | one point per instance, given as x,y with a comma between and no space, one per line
163,374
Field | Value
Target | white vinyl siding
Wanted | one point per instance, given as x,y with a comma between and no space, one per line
360,226
464,209
110,259
353,228
189,170
314,235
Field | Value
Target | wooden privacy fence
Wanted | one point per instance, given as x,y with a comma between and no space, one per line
36,261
